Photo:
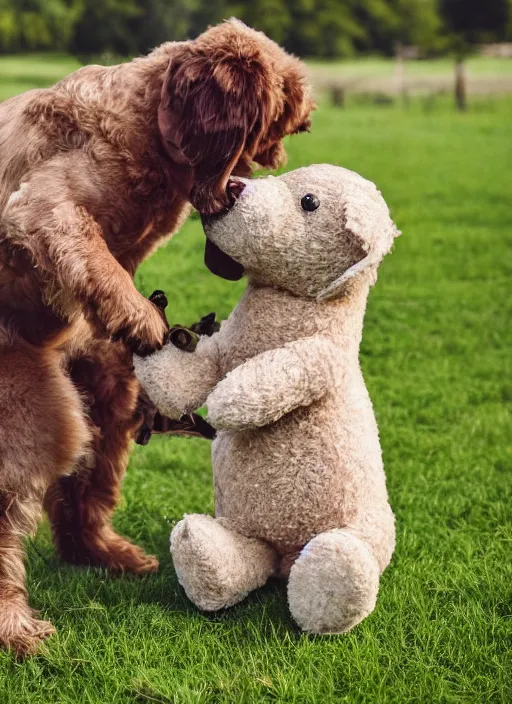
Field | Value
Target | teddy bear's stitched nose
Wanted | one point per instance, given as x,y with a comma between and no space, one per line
235,189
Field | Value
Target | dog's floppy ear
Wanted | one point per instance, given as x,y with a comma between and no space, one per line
295,116
215,101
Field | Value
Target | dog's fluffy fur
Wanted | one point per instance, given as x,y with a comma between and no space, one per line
94,174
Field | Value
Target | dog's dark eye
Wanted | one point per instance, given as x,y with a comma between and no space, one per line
310,202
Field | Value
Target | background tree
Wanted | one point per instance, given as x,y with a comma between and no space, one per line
324,28
159,21
210,12
103,28
270,16
469,22
26,25
417,23
321,28
411,23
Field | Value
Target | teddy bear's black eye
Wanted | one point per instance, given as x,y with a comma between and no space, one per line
310,202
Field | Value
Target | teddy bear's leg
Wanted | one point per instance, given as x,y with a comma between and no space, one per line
333,584
217,566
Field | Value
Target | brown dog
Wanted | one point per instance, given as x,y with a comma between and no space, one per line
94,174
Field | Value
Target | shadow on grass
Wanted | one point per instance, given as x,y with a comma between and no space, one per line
64,592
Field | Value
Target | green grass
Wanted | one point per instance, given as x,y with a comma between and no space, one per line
436,355
20,73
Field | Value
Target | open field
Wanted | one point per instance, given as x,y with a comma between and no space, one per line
436,355
487,76
20,73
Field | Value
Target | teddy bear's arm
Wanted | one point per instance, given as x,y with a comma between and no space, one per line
272,384
176,381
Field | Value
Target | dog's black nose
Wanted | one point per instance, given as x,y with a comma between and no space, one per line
234,188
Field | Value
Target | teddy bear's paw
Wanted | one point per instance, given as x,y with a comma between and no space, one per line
334,583
216,566
222,412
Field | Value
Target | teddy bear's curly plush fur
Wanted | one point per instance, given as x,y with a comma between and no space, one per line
300,490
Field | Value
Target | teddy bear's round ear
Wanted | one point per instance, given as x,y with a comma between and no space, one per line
372,233
338,287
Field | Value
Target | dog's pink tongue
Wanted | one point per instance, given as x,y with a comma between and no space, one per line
221,264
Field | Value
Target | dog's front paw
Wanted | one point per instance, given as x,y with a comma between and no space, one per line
144,332
208,325
20,631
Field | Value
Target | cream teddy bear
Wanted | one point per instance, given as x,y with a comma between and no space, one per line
300,490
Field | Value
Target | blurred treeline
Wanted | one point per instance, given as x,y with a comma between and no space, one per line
311,28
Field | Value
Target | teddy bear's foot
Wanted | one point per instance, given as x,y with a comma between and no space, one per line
333,583
217,566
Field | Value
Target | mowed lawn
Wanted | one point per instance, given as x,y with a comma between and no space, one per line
436,355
